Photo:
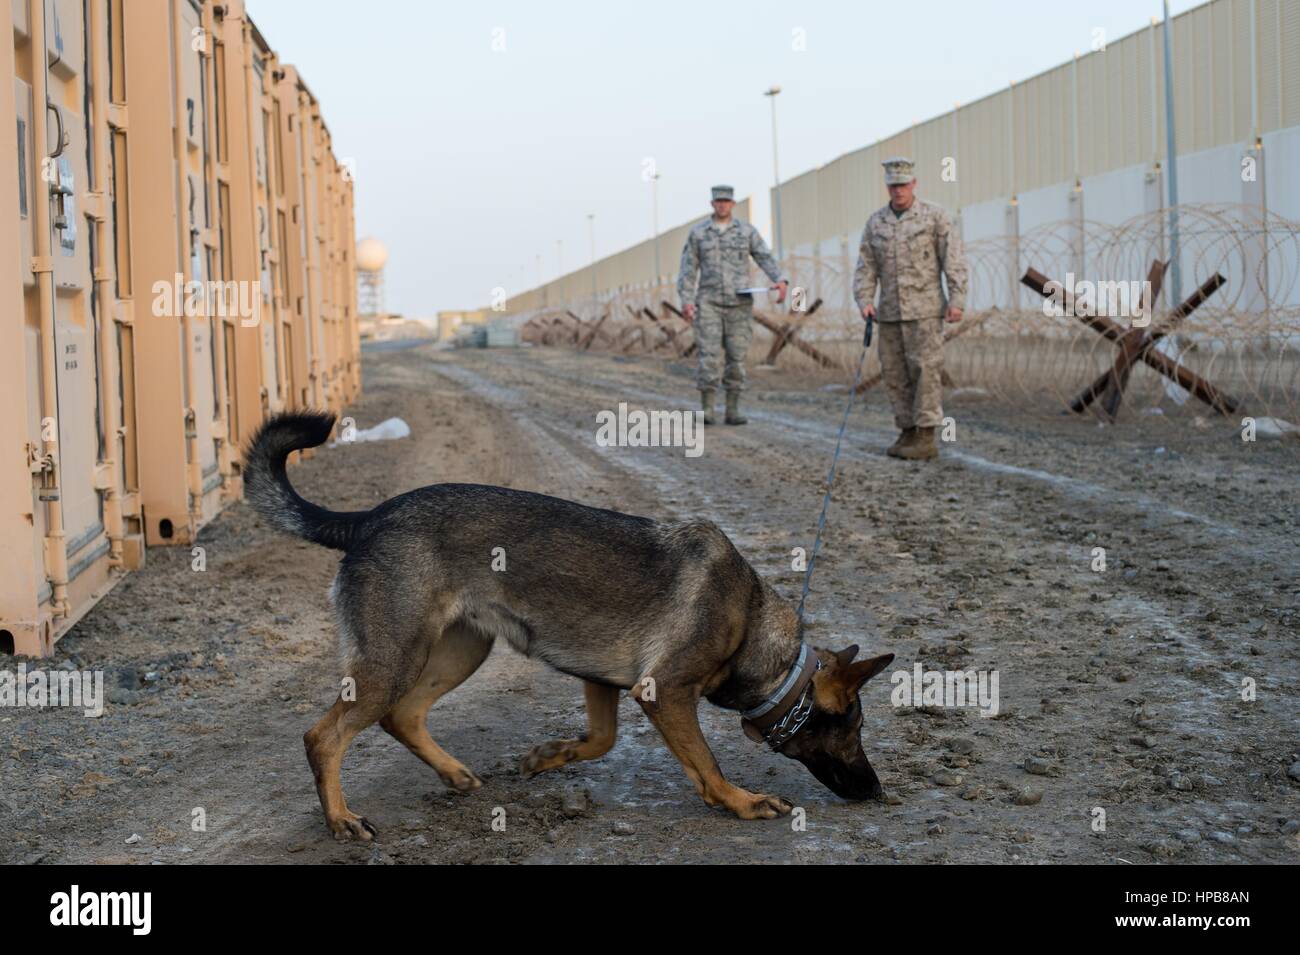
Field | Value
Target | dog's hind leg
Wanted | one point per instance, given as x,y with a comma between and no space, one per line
455,656
326,742
602,727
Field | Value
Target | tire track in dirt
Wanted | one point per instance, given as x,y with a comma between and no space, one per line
1136,506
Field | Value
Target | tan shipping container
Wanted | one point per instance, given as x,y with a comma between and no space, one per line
206,242
315,233
328,258
68,485
179,197
254,349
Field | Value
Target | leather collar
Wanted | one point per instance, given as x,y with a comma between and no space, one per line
782,714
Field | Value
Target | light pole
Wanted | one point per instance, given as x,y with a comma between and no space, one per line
559,257
654,219
1171,158
591,234
776,174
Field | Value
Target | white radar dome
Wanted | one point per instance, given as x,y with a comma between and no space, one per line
371,255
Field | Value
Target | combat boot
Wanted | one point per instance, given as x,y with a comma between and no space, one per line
706,402
905,437
733,409
922,446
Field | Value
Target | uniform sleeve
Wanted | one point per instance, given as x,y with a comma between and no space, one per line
864,276
952,259
686,272
758,249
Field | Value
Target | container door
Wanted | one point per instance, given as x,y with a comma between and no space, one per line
196,214
64,179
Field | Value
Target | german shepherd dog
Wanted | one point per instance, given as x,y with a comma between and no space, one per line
670,611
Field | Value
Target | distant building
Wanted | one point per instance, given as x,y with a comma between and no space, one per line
448,322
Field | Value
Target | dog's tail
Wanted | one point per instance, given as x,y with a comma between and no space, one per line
267,487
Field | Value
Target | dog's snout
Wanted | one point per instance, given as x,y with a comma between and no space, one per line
855,780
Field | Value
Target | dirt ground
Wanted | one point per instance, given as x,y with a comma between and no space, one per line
1119,690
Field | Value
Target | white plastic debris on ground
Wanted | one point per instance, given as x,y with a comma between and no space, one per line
389,430
1275,429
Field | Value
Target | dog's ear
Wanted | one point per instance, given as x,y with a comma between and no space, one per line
862,671
835,686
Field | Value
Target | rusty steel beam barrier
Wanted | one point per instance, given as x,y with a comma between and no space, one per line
1171,369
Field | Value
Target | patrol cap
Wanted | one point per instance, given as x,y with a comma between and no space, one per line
898,171
724,192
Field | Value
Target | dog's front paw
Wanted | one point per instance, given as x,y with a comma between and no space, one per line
462,780
760,806
350,826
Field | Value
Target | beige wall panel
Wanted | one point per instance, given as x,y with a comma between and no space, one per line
1239,31
1289,42
831,211
933,144
799,210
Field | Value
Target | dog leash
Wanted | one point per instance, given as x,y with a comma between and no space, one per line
795,712
830,478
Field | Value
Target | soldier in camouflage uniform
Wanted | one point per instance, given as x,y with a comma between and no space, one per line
717,252
905,247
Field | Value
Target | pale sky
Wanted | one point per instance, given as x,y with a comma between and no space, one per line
472,159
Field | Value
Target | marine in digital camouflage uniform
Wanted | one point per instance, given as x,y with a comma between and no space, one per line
905,248
715,265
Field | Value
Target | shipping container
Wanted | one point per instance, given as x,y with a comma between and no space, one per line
69,482
179,198
185,268
329,260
